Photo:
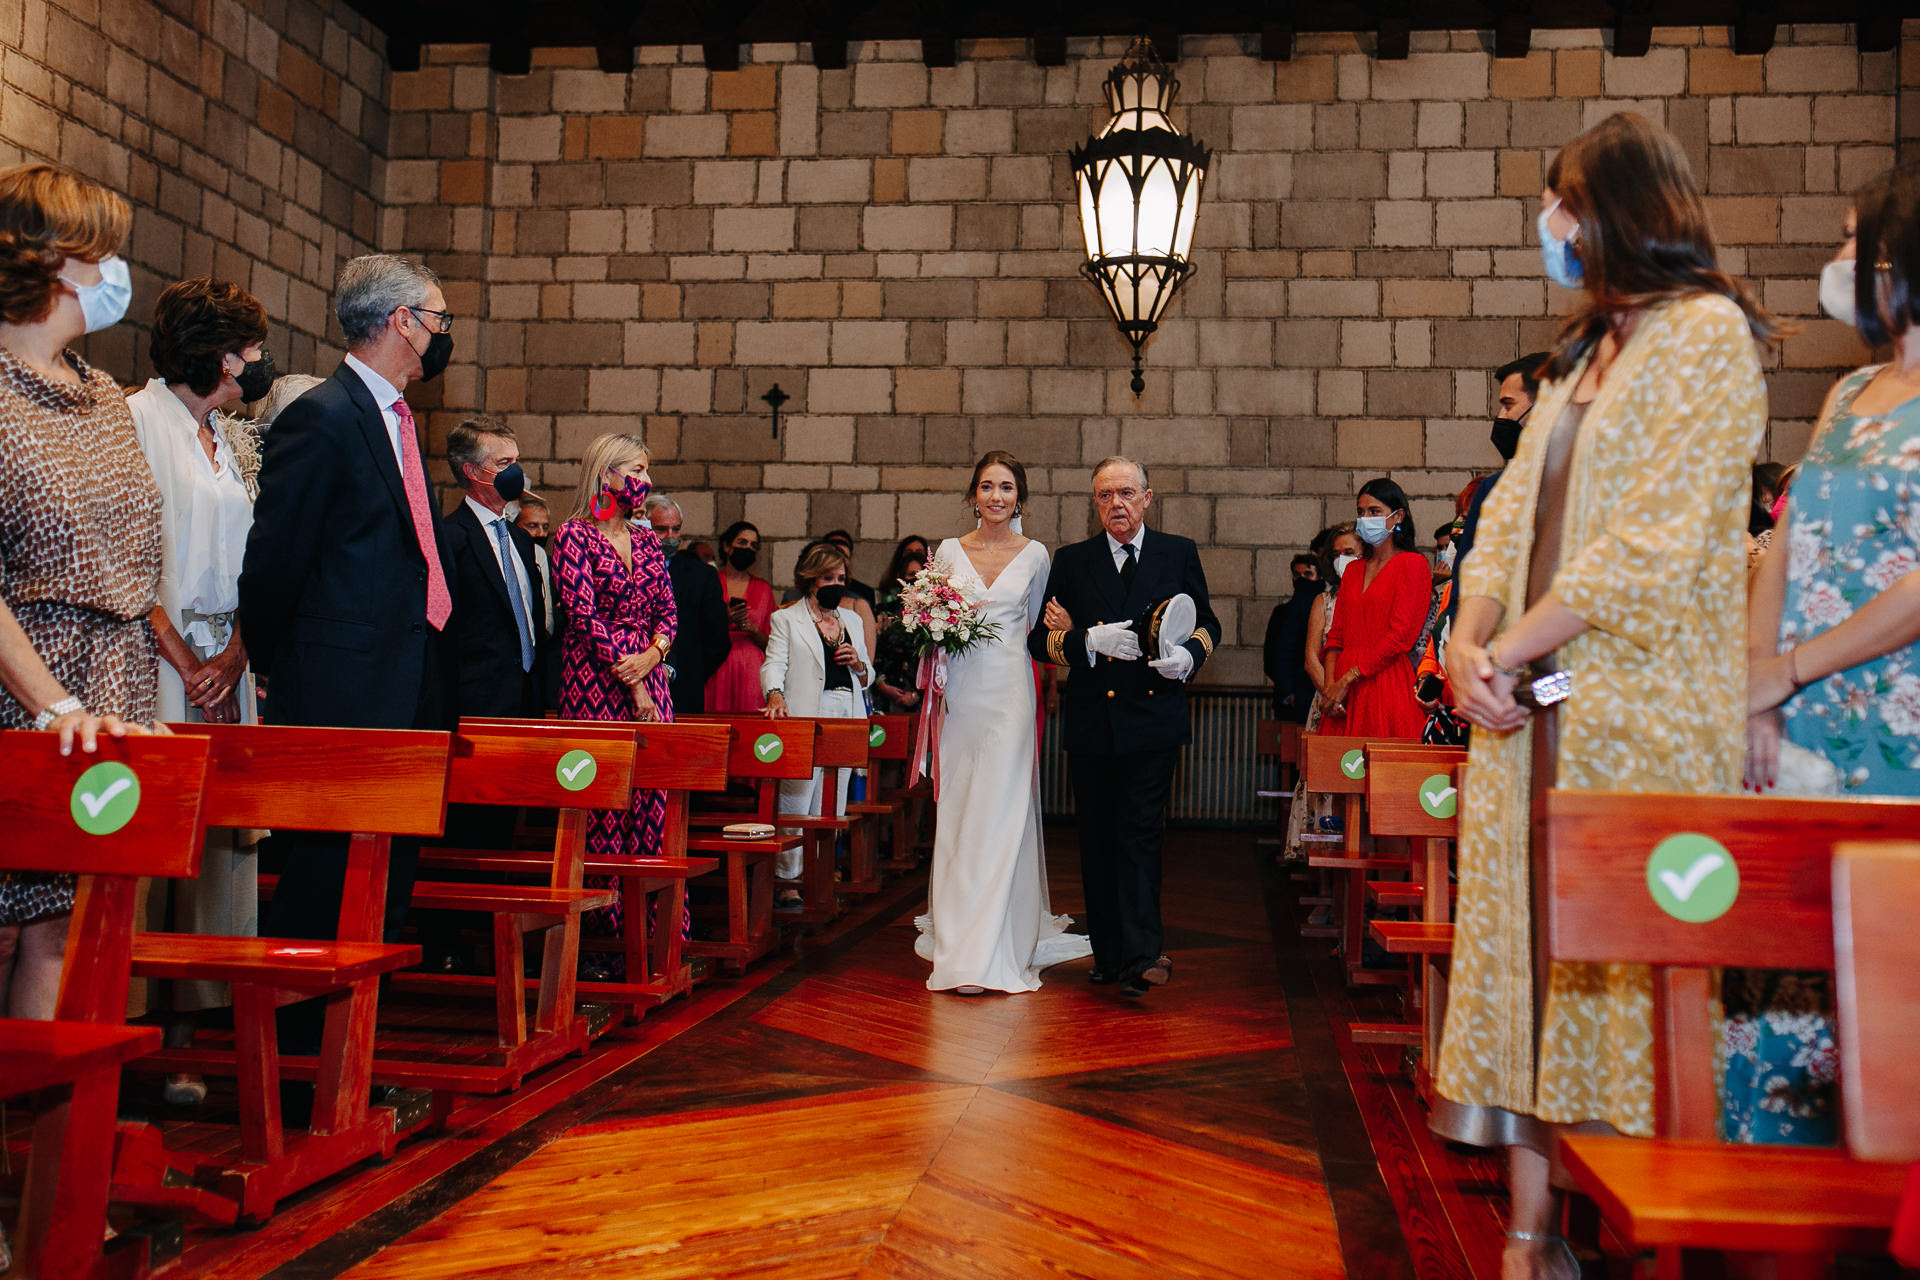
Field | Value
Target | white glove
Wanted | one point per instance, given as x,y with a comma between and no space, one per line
1115,639
1177,665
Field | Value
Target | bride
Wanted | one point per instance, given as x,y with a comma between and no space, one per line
989,925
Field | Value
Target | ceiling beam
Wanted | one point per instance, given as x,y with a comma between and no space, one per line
721,53
1050,46
1754,27
939,49
1877,29
1276,35
1632,29
1165,37
614,56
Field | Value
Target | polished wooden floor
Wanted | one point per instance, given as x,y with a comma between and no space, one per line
826,1116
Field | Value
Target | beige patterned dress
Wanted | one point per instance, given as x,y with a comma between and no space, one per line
1653,558
79,561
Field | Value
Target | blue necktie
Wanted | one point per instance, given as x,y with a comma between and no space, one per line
513,594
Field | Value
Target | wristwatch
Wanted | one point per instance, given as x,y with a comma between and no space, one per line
65,707
664,645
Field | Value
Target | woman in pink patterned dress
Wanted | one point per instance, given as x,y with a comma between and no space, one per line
612,578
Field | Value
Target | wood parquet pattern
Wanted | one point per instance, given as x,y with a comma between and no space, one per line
855,1125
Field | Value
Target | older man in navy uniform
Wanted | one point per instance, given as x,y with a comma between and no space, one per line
1126,712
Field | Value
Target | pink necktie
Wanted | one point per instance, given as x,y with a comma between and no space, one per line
413,478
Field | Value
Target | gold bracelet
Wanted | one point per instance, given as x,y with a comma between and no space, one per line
1512,673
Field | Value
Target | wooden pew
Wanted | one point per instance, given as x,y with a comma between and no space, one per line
1876,900
1684,1190
387,783
889,741
78,1056
1279,741
909,799
749,863
1413,792
842,746
1328,764
672,758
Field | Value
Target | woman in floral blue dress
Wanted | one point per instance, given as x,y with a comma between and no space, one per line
1833,663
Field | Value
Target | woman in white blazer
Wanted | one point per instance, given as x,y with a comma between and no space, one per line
817,665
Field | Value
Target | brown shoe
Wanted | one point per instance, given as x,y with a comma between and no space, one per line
1160,972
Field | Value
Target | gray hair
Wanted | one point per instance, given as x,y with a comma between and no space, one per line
658,502
1121,460
373,287
285,390
464,448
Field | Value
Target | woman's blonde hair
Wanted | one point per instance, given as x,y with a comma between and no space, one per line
816,562
614,449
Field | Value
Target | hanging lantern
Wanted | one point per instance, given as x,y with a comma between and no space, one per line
1139,183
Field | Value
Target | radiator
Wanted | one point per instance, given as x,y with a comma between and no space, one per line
1219,771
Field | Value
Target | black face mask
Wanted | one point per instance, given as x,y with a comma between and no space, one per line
433,361
257,378
1506,435
510,482
742,558
1305,584
830,597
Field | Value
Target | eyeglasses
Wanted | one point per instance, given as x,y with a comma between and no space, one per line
446,317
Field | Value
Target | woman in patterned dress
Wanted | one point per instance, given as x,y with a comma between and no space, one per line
612,578
1834,650
80,540
1613,548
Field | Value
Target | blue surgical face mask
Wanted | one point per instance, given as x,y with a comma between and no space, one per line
1563,266
103,304
1372,529
1836,291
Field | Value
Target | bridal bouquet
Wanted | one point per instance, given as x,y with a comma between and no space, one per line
940,615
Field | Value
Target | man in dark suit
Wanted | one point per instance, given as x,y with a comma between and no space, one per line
702,642
345,592
499,618
1126,713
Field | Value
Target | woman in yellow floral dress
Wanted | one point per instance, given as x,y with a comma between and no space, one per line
1613,549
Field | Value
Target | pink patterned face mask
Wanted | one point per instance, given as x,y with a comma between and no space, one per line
1779,508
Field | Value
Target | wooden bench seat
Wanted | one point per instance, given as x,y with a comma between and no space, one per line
1412,937
294,963
45,1055
1402,893
540,864
1666,1193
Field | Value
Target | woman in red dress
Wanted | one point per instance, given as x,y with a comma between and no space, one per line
1383,603
735,687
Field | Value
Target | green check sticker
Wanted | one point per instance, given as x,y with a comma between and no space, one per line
1438,797
1354,763
876,736
105,799
576,770
767,748
1692,877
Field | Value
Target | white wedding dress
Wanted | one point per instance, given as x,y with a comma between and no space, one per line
989,923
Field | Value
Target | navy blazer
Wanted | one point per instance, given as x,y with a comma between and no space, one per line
702,643
333,590
483,631
1118,707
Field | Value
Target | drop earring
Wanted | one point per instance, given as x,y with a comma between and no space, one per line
603,503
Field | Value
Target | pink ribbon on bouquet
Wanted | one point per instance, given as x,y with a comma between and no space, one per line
932,683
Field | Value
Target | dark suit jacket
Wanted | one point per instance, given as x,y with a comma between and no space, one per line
485,636
1114,707
333,590
702,643
1286,656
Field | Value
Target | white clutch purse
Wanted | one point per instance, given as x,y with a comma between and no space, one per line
1805,773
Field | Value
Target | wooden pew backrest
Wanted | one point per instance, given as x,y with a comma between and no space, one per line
1396,781
890,737
682,757
1876,943
526,762
163,836
797,743
1322,756
1600,906
373,781
843,744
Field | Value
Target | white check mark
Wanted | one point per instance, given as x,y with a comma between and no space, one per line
1438,798
1682,887
764,749
1353,767
571,774
96,803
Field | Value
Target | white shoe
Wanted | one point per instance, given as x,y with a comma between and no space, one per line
185,1091
969,990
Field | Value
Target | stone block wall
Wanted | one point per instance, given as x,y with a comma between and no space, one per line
250,136
897,248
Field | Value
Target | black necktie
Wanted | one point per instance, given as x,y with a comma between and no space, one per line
1129,566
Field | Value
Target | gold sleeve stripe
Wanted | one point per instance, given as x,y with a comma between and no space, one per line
1206,641
1056,647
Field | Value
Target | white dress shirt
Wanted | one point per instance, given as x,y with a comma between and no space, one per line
1136,541
384,395
487,521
